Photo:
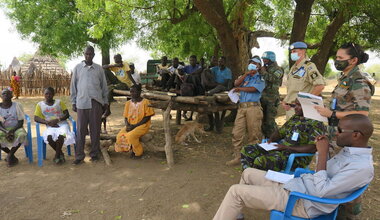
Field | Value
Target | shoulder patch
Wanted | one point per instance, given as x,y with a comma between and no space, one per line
314,75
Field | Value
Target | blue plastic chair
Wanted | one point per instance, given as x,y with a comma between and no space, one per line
41,145
294,196
28,148
289,164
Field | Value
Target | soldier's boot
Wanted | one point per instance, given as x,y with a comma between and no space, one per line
235,161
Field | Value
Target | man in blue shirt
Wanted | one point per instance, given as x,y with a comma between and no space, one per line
249,116
221,78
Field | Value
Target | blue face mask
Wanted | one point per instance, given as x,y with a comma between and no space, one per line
252,67
294,56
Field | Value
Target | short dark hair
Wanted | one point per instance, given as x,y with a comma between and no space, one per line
223,57
137,86
355,50
175,58
50,89
193,56
89,47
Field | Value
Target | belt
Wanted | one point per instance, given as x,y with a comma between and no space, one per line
248,104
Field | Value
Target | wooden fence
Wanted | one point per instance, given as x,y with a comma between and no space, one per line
34,84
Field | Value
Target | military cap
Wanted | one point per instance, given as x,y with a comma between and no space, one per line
298,45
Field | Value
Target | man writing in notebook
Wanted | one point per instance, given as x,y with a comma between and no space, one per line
349,170
297,135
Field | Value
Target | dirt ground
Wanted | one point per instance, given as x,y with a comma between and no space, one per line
144,188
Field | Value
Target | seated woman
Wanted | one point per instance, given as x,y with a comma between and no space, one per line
137,114
12,133
54,114
297,135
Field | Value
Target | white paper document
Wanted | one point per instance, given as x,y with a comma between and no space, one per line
308,102
234,96
268,147
278,177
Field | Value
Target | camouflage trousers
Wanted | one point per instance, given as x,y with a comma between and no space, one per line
270,107
256,157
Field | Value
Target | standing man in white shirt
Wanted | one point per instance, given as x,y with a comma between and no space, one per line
336,178
88,91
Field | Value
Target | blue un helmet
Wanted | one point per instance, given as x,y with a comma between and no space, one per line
269,55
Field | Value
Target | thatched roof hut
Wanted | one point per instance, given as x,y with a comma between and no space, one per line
45,65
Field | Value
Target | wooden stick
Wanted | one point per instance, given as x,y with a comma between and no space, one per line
168,138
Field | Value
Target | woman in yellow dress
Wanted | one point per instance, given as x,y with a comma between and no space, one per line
15,85
137,114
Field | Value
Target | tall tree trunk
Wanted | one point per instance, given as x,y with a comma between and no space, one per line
322,56
213,12
242,35
105,51
300,22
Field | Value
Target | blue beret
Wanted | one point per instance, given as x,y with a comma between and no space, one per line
298,45
269,55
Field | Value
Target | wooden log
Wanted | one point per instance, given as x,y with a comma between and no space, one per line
144,139
104,145
168,138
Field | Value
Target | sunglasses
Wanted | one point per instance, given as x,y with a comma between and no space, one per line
292,105
340,130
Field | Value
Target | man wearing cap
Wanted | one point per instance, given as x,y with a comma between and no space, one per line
270,99
302,77
249,116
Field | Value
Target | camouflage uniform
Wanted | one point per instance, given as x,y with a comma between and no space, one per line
301,78
254,156
352,93
270,98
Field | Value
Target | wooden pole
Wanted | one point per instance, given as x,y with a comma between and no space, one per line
168,138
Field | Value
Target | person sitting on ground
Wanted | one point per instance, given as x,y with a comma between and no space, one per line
297,135
135,75
169,82
12,133
222,78
54,114
137,114
351,169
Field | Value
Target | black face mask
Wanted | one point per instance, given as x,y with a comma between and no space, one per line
341,64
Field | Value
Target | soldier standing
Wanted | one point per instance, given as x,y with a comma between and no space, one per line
302,77
270,98
352,95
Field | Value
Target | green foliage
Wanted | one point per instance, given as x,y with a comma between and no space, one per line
65,27
374,68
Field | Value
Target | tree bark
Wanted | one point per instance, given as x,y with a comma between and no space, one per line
324,51
213,12
105,51
300,22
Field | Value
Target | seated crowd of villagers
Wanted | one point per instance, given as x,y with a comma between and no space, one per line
338,173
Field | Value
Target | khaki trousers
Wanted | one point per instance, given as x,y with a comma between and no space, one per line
255,191
289,114
248,120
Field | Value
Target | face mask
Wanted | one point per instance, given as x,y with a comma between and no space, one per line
341,64
252,67
294,56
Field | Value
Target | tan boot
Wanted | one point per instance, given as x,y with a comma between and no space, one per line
235,161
